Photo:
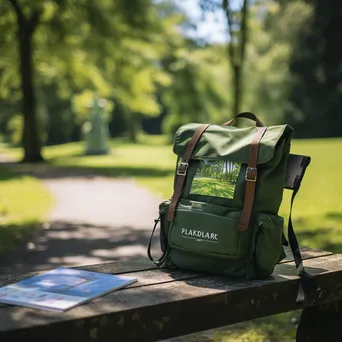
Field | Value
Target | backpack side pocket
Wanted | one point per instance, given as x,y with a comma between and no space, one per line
268,243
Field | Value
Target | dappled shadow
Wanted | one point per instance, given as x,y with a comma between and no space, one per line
71,244
5,173
334,215
50,171
322,238
14,233
112,171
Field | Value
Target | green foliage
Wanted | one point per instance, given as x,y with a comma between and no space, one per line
198,92
9,59
268,81
219,169
268,329
83,49
14,130
134,54
75,62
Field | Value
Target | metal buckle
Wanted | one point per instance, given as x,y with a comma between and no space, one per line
256,174
181,166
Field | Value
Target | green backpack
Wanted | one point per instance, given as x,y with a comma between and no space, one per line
223,216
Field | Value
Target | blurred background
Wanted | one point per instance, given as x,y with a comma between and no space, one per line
92,92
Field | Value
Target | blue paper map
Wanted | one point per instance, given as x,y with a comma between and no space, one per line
62,288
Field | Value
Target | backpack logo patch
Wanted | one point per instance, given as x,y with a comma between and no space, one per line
199,235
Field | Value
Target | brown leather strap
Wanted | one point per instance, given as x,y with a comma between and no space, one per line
182,169
247,115
251,178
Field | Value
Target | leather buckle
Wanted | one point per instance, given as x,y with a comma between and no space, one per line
254,177
182,169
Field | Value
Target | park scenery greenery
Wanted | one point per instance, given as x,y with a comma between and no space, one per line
282,60
316,214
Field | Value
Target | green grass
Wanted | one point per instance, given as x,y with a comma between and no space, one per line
277,328
24,203
212,187
317,210
151,162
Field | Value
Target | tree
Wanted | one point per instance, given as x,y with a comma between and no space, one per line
81,46
197,91
237,24
273,29
26,27
237,48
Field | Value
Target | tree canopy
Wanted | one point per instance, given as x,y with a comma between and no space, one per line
281,60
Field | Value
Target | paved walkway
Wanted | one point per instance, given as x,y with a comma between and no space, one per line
96,219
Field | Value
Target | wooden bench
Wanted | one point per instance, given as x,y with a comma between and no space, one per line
168,303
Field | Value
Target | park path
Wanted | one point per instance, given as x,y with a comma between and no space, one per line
95,219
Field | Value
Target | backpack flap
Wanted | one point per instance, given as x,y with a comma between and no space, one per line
229,142
218,165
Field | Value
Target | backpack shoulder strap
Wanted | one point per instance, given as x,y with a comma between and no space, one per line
251,178
295,170
181,175
182,170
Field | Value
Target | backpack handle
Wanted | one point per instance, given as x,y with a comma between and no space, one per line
247,115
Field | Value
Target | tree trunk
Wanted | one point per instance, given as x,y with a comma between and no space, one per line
237,51
237,89
133,127
31,137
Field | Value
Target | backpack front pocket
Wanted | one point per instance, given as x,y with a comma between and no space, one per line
204,233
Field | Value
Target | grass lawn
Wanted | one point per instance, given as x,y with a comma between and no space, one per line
317,210
212,187
24,202
151,162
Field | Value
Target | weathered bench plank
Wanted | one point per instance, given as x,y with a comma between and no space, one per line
109,267
145,265
306,252
160,304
